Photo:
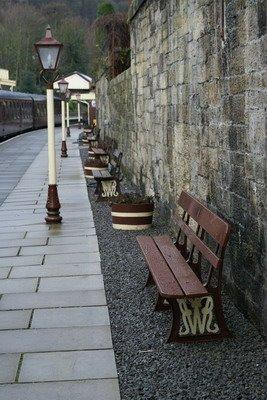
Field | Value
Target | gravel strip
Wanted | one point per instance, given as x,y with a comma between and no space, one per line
150,369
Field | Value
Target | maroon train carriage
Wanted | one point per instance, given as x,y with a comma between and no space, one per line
16,112
39,111
21,112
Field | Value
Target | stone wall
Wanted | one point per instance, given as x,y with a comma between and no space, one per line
116,114
189,114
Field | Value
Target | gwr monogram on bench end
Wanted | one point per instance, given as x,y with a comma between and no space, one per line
177,270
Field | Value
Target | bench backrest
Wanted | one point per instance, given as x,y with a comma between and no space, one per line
207,223
115,163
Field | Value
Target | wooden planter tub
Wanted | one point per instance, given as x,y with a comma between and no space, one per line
132,216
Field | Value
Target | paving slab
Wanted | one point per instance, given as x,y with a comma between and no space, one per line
31,220
71,283
19,202
20,261
4,272
62,234
55,339
54,270
52,299
71,258
14,319
9,252
90,246
9,236
68,366
71,240
95,389
67,317
22,242
8,368
18,285
40,227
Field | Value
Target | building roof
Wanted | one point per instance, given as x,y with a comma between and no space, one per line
78,82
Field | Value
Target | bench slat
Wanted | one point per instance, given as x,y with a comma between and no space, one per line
212,223
106,174
97,174
102,174
99,151
200,245
162,275
187,279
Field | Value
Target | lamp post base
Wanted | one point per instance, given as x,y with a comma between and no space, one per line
79,125
68,131
64,149
53,206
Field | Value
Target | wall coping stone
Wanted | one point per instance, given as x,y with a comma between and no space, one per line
134,8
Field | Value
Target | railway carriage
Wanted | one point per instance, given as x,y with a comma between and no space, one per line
20,112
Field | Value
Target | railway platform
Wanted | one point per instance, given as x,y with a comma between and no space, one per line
55,336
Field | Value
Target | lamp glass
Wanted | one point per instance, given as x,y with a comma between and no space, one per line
63,86
49,56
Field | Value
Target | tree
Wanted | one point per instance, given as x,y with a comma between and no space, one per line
23,22
20,26
56,11
75,56
105,8
112,42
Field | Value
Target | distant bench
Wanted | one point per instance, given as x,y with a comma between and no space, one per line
177,272
108,181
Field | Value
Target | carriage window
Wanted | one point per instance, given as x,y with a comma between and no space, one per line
9,110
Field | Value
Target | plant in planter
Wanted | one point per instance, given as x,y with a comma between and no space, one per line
93,164
132,212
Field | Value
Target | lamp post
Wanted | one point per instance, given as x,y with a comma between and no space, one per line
68,97
78,97
48,50
63,87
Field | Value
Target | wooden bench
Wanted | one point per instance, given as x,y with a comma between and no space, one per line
107,145
188,273
108,182
100,154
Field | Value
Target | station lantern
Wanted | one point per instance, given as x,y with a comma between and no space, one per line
63,86
48,50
